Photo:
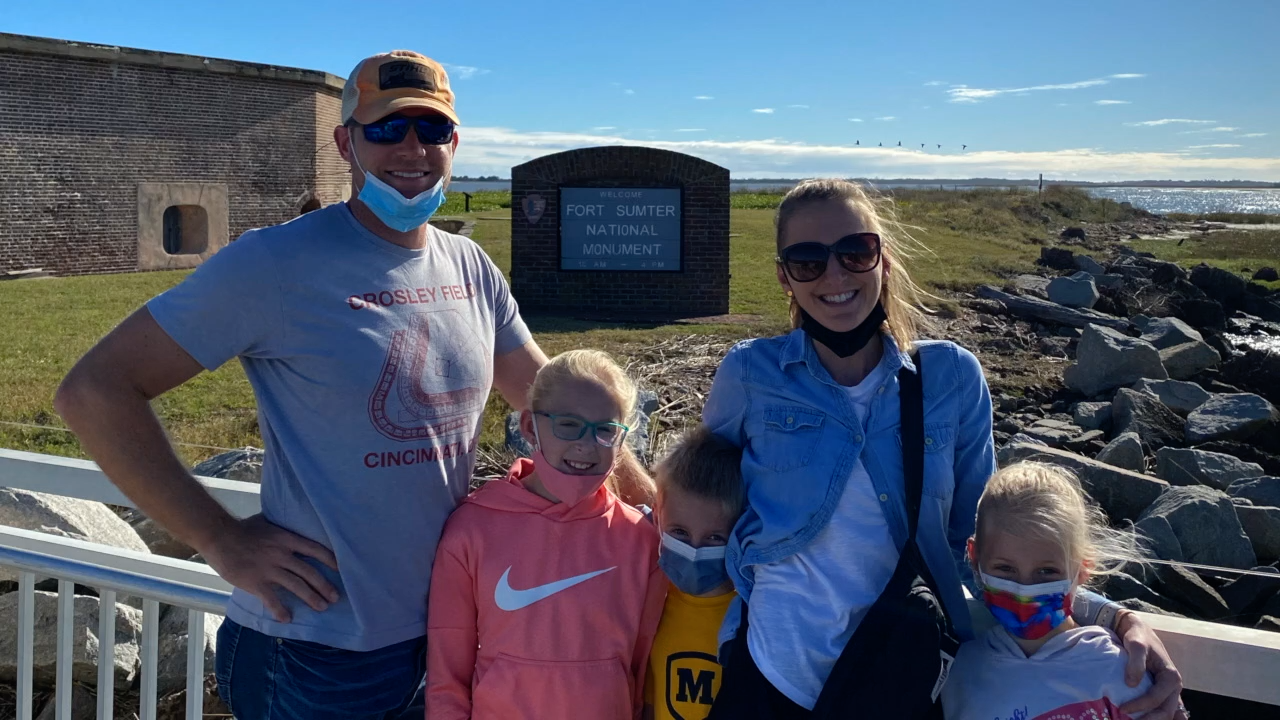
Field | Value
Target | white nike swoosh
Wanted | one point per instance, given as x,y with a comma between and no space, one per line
510,599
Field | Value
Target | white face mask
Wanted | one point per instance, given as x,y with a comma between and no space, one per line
396,211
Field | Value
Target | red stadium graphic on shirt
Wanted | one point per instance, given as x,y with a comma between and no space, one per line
1101,709
434,381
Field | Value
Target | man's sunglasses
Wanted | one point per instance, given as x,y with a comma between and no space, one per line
807,261
392,129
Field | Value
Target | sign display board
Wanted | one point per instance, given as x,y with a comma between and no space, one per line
620,229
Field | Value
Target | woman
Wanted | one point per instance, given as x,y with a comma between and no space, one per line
816,412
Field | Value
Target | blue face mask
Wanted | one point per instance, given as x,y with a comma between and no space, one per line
396,211
694,570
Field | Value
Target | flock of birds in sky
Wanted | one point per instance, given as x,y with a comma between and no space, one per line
859,144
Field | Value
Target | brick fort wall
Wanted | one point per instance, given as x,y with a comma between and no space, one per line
700,288
82,126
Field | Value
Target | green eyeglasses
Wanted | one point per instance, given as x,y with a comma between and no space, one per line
572,427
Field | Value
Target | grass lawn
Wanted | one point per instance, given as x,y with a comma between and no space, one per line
972,237
1240,251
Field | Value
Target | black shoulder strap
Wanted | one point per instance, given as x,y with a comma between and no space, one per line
911,395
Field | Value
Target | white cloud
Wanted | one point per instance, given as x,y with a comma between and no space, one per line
855,119
1222,129
492,150
763,111
1215,145
629,91
934,83
1252,135
799,107
691,130
464,72
1170,121
966,94
887,118
604,127
1111,102
703,97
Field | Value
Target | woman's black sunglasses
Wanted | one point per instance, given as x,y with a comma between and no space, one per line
392,129
807,261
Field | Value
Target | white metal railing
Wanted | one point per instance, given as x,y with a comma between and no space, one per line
1213,658
113,572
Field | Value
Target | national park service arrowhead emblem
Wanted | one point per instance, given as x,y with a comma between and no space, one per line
534,206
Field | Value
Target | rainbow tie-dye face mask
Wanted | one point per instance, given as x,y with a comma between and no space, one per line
1027,611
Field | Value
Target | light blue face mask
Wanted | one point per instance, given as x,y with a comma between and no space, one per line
694,570
396,211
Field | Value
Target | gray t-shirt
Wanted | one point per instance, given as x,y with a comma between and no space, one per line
371,364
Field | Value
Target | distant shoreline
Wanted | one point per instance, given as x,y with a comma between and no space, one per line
995,182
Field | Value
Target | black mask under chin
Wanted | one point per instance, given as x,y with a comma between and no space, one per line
848,342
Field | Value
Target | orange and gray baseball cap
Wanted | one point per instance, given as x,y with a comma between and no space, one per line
387,83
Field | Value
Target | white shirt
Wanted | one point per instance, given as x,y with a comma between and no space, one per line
804,609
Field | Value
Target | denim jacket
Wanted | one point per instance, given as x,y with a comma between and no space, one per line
800,437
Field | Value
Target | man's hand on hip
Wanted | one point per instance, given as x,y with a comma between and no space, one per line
262,559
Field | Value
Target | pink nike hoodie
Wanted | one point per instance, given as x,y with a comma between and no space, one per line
541,610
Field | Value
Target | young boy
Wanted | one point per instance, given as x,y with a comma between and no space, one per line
700,497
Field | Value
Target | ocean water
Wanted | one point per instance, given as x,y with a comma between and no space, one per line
1194,200
1153,199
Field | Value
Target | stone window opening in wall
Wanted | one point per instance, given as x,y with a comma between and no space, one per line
185,230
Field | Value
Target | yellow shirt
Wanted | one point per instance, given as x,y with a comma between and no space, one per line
683,676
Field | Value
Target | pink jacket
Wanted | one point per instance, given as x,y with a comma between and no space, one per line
541,610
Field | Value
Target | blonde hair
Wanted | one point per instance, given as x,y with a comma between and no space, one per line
705,465
1045,502
901,296
588,365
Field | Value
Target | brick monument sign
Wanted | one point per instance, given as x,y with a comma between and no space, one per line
621,232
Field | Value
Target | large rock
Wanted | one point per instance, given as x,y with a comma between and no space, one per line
84,640
1048,312
1057,258
1267,274
68,517
1158,540
1203,313
1076,291
1246,452
1087,264
1033,285
171,669
1262,525
1205,523
1121,586
1229,416
1107,359
1263,491
1168,332
1120,493
1183,585
1197,467
1156,424
1092,415
1125,451
160,541
1189,359
244,465
1247,593
1177,395
1222,285
1142,606
84,705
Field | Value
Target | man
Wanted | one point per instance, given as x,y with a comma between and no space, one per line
372,341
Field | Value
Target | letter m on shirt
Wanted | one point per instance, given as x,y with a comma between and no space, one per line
693,678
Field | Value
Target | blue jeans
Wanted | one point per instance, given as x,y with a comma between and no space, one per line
266,678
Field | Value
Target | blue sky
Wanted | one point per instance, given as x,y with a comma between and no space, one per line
1124,89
